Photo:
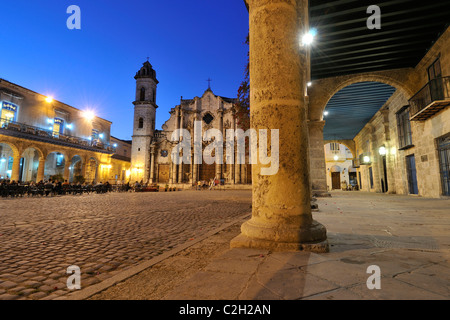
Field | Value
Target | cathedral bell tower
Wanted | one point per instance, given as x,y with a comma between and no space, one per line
144,122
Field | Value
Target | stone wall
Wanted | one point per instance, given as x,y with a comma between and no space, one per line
382,130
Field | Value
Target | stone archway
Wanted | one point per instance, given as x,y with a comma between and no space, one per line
350,144
12,161
91,165
55,165
323,90
30,162
8,152
76,169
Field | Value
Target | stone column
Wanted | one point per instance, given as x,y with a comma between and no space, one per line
191,168
232,167
317,159
180,166
152,165
237,166
15,172
84,165
173,179
237,171
67,170
218,159
41,170
281,210
194,168
98,174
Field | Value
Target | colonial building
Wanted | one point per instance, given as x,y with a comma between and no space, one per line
339,166
152,158
41,138
404,146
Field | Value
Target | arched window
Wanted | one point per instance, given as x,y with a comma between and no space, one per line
154,95
142,94
141,123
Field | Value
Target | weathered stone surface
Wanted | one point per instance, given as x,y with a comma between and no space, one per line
281,217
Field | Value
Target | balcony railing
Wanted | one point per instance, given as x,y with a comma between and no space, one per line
51,136
432,98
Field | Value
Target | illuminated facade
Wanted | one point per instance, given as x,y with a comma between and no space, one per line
152,149
41,138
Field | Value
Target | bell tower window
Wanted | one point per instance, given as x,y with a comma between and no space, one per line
142,94
141,123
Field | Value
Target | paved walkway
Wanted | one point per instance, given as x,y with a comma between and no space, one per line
406,237
104,235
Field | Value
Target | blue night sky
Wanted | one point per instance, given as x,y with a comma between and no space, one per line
186,42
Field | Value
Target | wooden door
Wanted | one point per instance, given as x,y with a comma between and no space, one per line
207,171
164,171
336,180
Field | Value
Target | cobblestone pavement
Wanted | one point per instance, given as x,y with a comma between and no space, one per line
101,234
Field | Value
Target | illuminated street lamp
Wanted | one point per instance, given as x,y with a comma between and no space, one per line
382,151
308,38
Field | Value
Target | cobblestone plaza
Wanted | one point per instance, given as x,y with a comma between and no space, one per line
101,234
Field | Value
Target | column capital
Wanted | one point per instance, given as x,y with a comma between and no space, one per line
316,123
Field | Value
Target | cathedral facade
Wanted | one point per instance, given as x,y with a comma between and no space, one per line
153,156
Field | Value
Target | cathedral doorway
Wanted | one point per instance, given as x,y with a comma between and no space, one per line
207,171
163,175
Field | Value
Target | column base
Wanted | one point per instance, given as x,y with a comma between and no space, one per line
242,241
282,237
321,194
